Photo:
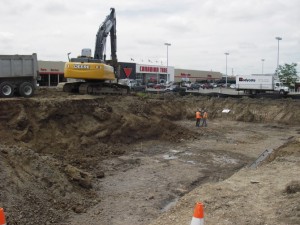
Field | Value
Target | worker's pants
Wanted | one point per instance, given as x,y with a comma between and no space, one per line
198,122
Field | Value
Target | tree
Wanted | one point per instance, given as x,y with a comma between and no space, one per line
288,73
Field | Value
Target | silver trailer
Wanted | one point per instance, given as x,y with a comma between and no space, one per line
18,75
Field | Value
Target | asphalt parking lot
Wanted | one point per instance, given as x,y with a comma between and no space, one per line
228,91
218,90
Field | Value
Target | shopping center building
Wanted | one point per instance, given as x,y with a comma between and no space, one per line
196,76
52,73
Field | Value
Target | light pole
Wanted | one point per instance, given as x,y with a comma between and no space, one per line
279,39
69,56
262,66
226,54
167,44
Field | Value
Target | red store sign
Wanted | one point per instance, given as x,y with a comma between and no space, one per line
152,69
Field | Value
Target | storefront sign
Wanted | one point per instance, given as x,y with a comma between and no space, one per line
151,69
52,70
127,71
185,74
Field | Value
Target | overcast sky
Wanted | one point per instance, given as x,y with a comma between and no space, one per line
200,31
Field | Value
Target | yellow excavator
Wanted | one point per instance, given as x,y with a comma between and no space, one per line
96,75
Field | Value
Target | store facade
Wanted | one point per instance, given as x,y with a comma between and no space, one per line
146,73
51,73
196,76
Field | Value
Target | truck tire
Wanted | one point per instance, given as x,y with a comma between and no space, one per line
6,90
26,89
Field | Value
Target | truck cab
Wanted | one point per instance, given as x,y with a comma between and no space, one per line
279,87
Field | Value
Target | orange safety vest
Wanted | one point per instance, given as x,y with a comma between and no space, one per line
198,115
205,115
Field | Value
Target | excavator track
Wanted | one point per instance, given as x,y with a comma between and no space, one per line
96,88
72,87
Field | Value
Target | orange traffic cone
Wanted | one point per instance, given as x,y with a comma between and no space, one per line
2,217
198,217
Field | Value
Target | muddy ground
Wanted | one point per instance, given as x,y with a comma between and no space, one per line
110,160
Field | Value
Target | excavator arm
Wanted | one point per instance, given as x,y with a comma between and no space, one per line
106,28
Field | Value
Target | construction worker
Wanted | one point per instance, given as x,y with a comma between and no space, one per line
198,118
204,118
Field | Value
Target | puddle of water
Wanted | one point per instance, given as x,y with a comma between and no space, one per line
169,157
191,162
170,205
174,151
188,153
225,159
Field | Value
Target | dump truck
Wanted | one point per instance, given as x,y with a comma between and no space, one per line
18,75
255,84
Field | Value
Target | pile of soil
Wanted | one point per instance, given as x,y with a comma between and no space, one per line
51,146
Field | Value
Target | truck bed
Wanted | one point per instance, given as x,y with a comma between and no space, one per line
18,66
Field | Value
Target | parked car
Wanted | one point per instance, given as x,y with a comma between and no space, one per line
138,88
159,86
232,86
175,88
171,87
194,87
150,85
214,85
180,90
186,84
221,85
207,86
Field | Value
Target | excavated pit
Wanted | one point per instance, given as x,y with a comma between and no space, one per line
73,159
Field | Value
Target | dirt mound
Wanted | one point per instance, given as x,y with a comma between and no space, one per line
37,189
293,187
60,126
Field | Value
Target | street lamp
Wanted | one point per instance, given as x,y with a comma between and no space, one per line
279,39
226,54
262,66
167,44
69,56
